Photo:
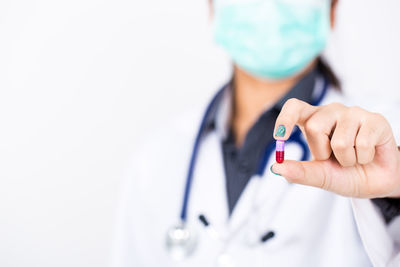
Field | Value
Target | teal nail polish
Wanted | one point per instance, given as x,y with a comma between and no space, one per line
273,171
280,132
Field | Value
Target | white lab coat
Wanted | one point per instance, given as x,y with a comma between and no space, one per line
312,227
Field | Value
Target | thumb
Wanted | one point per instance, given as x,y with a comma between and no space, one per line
312,173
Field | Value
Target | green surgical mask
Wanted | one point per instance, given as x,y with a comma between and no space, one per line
272,39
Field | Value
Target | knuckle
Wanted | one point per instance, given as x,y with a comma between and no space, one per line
291,102
355,109
320,151
335,109
377,117
349,162
339,144
345,160
335,106
312,127
364,159
355,113
325,155
352,114
380,116
365,155
363,143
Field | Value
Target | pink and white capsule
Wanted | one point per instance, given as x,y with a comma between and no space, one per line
280,151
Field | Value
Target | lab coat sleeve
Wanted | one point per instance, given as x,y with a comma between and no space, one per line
123,249
381,241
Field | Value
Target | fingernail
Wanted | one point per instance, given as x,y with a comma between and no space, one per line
280,132
273,171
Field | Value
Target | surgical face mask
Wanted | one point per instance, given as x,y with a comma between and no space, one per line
272,39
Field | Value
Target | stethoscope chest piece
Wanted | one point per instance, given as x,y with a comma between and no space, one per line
180,242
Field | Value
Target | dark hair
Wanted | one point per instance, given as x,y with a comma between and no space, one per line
329,74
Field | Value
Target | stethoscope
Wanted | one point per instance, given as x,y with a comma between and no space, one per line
181,241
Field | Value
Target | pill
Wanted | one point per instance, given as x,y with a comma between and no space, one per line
280,151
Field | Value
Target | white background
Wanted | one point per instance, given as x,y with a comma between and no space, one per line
82,80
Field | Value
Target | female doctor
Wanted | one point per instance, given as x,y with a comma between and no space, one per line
205,189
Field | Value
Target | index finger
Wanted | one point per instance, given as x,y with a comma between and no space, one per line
294,112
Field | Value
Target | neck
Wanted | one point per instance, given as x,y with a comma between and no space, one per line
252,96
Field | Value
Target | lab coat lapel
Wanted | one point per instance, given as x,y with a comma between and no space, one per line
210,196
209,191
262,194
243,206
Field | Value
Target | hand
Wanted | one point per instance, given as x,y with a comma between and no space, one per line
354,151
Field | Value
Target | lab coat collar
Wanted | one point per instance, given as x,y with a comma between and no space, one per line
220,116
